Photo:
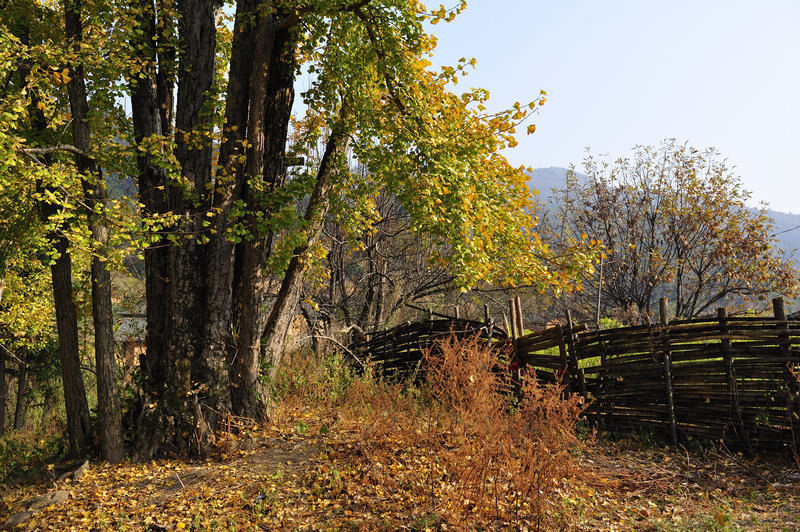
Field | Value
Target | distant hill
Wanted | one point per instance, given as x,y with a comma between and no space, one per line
787,225
787,230
546,179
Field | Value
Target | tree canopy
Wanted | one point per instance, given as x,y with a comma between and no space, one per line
194,99
676,223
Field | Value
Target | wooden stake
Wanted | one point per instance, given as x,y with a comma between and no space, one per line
512,311
779,310
730,373
520,328
573,354
673,424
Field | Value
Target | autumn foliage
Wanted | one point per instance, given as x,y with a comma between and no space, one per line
676,223
469,450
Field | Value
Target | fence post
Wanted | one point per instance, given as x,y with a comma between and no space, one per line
512,328
605,405
457,312
733,393
673,424
520,327
516,374
488,321
573,354
779,310
562,351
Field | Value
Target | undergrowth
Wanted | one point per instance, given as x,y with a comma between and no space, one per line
24,453
487,450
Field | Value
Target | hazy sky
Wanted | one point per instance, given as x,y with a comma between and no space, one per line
620,73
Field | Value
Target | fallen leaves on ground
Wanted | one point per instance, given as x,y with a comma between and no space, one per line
311,476
627,485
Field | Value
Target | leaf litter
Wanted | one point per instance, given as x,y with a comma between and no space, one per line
454,456
321,479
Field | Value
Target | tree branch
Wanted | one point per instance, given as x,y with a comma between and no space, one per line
52,149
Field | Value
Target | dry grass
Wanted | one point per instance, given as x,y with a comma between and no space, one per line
484,454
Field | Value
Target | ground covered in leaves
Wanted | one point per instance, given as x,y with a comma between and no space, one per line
346,451
304,476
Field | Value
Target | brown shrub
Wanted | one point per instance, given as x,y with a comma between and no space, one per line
477,448
507,453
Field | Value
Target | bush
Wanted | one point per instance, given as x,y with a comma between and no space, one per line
470,446
508,453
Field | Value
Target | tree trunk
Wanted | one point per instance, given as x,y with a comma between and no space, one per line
154,427
22,377
187,385
284,309
75,403
77,407
108,404
219,345
272,95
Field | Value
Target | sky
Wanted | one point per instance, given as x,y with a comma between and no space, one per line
621,73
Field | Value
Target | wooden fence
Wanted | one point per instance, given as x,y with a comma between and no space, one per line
715,378
398,351
721,377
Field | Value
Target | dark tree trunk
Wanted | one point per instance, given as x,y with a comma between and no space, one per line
165,76
284,309
271,104
220,345
2,391
147,112
185,379
154,427
207,385
108,404
75,403
77,407
22,378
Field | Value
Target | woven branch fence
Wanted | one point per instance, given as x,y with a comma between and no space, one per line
398,351
722,377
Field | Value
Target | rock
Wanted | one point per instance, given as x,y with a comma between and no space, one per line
76,473
35,506
48,499
250,445
16,519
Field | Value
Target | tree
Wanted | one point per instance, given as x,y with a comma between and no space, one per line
48,121
223,209
372,278
676,224
24,94
95,198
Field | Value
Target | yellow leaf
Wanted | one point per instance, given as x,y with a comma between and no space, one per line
531,128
